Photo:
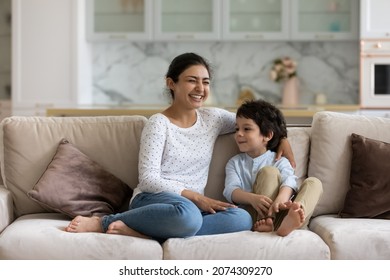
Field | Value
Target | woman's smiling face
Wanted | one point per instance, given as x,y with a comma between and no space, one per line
192,88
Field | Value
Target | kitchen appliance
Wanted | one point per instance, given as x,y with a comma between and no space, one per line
375,74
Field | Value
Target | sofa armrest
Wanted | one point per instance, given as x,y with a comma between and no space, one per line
6,209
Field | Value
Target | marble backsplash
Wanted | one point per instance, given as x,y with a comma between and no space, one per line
133,73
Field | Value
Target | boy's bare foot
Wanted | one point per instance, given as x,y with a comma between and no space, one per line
264,225
85,224
119,227
293,220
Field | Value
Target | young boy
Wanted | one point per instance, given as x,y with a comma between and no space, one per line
255,179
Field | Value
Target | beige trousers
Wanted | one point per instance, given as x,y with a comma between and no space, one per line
268,182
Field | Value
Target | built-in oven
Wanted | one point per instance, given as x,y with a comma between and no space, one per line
375,74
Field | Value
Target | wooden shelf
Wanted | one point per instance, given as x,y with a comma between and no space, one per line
304,111
310,110
79,112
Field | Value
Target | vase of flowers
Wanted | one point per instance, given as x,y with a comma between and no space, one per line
284,70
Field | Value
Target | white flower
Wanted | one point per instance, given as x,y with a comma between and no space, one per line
283,69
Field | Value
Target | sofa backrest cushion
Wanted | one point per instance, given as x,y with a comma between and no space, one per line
29,144
331,153
225,148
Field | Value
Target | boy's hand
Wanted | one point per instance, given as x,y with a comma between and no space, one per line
261,203
276,207
282,201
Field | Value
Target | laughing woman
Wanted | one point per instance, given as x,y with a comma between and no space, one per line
175,153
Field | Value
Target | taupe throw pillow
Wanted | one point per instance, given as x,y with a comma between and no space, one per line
369,193
73,184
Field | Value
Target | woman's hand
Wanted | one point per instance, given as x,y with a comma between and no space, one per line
205,203
285,150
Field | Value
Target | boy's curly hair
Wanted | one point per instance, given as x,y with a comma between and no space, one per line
267,117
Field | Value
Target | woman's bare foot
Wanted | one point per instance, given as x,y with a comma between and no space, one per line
293,220
85,224
264,225
119,227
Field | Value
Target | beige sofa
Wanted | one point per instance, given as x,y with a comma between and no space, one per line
28,231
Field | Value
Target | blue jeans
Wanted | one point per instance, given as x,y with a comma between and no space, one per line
165,215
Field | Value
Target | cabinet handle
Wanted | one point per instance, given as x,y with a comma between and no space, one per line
185,37
118,36
43,105
322,36
254,36
374,55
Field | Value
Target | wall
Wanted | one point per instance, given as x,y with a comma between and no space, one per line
5,49
127,73
134,72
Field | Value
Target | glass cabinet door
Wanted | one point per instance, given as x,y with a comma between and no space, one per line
186,19
325,19
255,19
119,19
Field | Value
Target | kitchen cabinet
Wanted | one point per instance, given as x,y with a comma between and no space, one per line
255,20
374,19
310,20
119,20
244,20
187,20
137,20
50,60
324,19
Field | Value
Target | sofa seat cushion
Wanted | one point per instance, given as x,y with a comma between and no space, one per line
354,238
248,245
42,236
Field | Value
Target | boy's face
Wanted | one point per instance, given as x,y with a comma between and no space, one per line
249,138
